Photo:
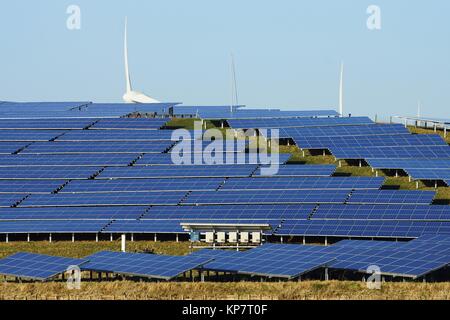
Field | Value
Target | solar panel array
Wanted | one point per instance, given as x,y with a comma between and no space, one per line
143,265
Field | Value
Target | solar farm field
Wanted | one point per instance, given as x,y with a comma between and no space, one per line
104,195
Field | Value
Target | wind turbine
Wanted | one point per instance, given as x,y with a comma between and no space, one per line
234,93
133,96
341,91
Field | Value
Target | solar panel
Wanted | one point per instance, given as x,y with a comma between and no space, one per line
296,122
29,135
233,212
391,197
11,147
141,185
303,183
302,170
36,266
73,213
398,261
130,123
345,130
437,152
143,265
58,160
70,147
409,163
144,226
117,135
48,173
63,227
266,196
271,260
429,174
38,124
382,212
369,141
9,200
103,199
30,186
215,112
359,228
178,171
224,158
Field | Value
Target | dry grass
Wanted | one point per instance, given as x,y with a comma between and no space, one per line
81,249
308,290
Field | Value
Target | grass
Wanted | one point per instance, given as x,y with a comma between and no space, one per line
81,249
307,290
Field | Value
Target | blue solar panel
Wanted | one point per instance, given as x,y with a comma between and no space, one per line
225,158
117,135
409,163
383,212
103,199
143,265
437,152
9,200
341,131
392,197
297,122
41,160
30,186
63,227
178,171
267,196
303,170
44,173
141,185
369,141
61,124
303,183
11,147
72,213
360,228
69,147
29,135
145,226
234,212
36,266
130,123
429,174
272,260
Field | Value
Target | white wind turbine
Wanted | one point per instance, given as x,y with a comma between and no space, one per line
133,96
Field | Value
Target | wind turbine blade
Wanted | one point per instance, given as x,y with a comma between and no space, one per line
341,91
125,49
234,92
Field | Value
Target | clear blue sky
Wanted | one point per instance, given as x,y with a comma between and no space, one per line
287,53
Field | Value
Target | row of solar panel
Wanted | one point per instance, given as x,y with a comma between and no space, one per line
297,122
278,212
84,123
369,141
125,159
188,184
397,152
273,260
218,198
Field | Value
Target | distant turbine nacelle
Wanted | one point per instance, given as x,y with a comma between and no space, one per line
137,97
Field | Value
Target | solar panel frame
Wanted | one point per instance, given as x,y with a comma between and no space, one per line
143,265
36,266
30,186
49,173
